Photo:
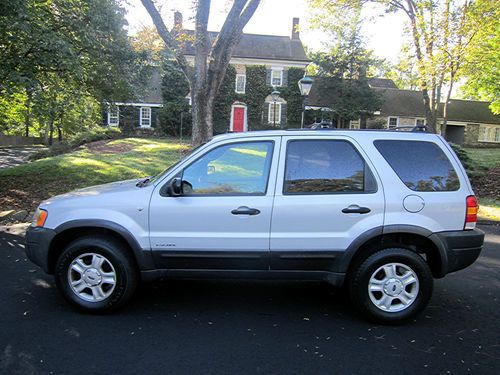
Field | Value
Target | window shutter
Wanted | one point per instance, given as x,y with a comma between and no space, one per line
138,117
265,111
283,113
154,112
104,117
285,77
268,77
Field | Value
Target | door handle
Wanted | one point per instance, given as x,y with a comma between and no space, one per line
244,210
355,209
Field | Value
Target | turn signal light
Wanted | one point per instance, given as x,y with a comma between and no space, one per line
471,210
39,218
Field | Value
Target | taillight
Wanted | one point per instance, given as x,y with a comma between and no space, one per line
471,212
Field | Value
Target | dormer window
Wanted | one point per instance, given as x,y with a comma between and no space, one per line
241,80
276,76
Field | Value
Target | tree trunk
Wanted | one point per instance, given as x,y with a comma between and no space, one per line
27,118
445,107
51,132
211,59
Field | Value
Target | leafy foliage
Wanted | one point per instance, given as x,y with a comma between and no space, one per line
60,60
482,67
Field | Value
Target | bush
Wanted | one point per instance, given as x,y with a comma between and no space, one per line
76,140
473,168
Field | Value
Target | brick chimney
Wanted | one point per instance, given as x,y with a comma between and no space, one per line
295,29
177,20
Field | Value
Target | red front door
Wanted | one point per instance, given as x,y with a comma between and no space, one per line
238,119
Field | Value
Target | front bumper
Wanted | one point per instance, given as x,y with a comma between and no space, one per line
37,246
459,249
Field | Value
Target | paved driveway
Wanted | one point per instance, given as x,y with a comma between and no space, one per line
12,156
246,327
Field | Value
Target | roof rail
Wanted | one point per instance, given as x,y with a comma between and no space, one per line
416,128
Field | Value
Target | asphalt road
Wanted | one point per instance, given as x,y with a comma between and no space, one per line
239,327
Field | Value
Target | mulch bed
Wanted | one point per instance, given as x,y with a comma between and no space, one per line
102,147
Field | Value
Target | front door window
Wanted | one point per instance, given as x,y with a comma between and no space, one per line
233,169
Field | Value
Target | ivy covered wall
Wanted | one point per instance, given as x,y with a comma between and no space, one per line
256,91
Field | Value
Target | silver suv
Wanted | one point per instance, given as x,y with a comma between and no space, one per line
381,212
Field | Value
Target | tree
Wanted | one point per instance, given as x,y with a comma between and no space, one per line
348,64
78,49
482,60
211,58
440,33
403,73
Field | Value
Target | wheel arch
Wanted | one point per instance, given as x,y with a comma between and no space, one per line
71,230
410,237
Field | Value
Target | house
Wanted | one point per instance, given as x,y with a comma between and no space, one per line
278,54
469,122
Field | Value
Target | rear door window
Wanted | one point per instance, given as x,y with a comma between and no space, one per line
422,166
326,167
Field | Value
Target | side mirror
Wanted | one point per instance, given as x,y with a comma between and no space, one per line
175,187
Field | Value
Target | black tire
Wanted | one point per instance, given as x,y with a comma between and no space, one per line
123,267
361,274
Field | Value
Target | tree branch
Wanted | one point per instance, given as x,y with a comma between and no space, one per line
167,37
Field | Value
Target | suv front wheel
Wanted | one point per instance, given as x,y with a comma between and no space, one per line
391,285
96,274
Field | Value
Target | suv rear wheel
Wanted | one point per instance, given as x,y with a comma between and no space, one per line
391,285
96,274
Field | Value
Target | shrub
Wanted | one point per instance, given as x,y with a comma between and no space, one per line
473,168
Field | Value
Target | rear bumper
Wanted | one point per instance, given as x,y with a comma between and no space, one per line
459,249
37,246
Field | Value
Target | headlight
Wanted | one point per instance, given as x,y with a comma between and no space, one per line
39,218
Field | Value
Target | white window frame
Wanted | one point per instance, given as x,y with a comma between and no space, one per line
280,71
389,126
114,117
271,120
488,133
145,118
240,75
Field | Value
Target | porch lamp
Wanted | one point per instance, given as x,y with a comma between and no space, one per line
305,84
275,95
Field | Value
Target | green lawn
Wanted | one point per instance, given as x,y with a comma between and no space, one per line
141,157
24,186
486,157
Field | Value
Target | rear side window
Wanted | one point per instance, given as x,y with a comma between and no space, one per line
326,167
422,166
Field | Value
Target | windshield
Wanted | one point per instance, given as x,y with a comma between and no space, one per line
159,176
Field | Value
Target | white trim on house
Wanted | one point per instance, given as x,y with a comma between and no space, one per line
154,105
389,126
113,116
277,119
147,118
255,61
244,78
245,122
279,70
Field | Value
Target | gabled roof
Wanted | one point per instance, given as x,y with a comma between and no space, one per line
398,102
471,111
150,91
268,47
382,83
